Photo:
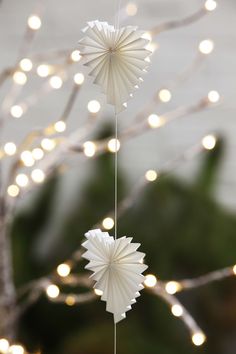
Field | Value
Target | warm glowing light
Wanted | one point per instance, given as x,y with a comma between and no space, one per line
89,149
19,77
108,223
210,5
63,270
206,46
22,180
43,70
79,78
113,145
10,149
48,144
13,191
56,82
209,142
151,175
234,269
4,346
98,292
177,310
131,9
34,22
75,55
16,349
94,106
27,158
150,281
60,126
165,95
52,291
155,121
213,96
198,338
16,111
37,153
172,287
26,64
38,176
70,300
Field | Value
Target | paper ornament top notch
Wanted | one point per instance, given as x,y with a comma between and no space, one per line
118,59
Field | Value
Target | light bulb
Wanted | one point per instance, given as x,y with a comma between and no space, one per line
60,126
63,270
177,310
155,121
79,78
206,46
38,176
37,153
131,9
16,349
75,56
209,142
13,191
70,300
19,78
113,145
213,96
108,223
165,95
4,346
43,70
34,22
172,287
89,149
94,106
151,175
150,281
22,180
48,144
56,82
198,338
27,158
52,291
16,111
9,149
26,64
210,5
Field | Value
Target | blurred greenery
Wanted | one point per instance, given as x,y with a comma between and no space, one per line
183,231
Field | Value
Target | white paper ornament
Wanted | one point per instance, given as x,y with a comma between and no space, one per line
117,268
118,59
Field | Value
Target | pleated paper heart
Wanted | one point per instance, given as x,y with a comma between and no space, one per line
117,268
118,59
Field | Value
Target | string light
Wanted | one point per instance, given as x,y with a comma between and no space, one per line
213,96
209,142
172,287
89,149
4,346
155,121
108,223
60,126
56,82
70,300
150,281
75,56
113,145
131,9
210,5
94,106
10,149
26,64
16,111
151,175
13,191
19,78
37,153
63,270
43,70
48,144
98,292
206,46
52,291
16,349
177,310
27,158
22,180
38,176
34,22
78,78
198,338
165,95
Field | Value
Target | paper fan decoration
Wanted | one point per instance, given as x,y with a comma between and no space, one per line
117,269
118,59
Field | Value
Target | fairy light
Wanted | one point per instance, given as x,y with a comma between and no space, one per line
210,5
56,82
206,46
70,300
151,175
165,95
22,180
38,176
209,142
10,149
37,153
13,190
150,281
16,349
89,148
16,111
131,9
4,346
198,338
48,144
177,310
78,78
26,64
108,223
98,292
63,270
155,121
172,287
113,145
94,106
34,22
19,78
60,126
234,269
43,70
213,96
52,291
75,56
27,158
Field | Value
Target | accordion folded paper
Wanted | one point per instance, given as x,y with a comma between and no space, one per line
118,59
117,268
